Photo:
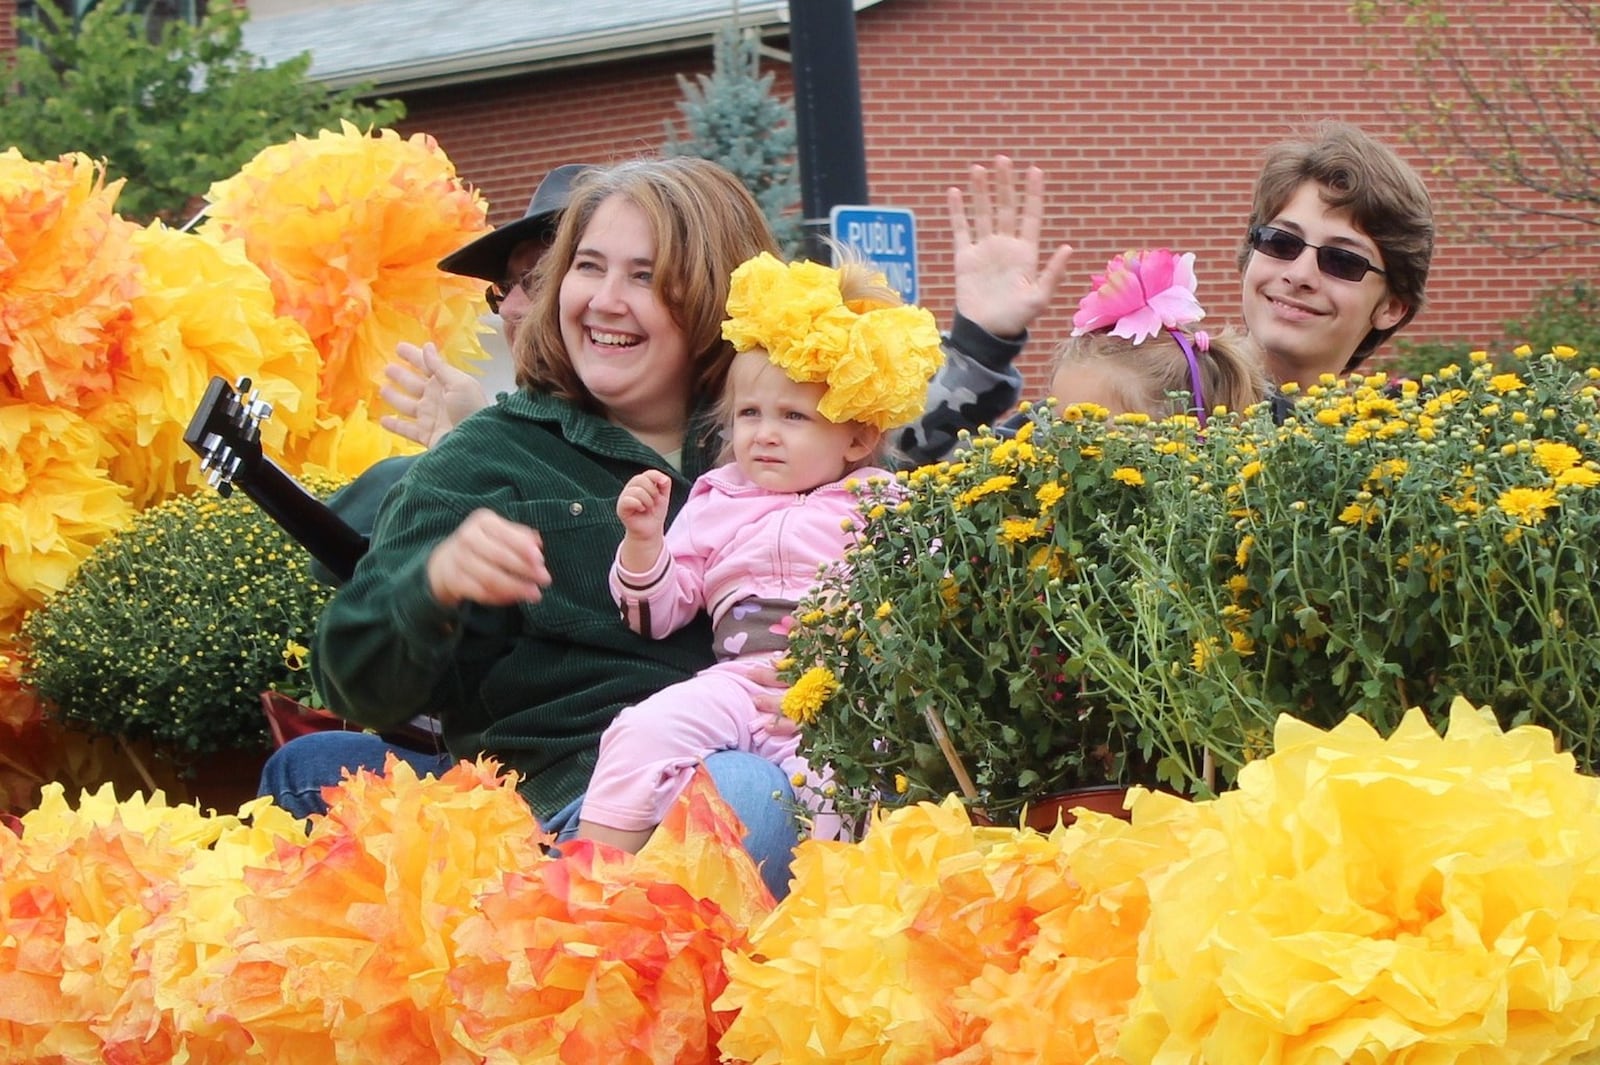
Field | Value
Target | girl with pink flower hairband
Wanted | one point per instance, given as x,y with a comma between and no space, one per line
1150,296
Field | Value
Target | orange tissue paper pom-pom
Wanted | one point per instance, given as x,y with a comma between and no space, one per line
350,228
79,893
66,280
605,956
358,925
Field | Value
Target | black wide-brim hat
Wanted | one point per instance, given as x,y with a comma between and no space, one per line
487,256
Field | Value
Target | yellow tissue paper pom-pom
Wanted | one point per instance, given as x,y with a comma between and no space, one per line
1420,896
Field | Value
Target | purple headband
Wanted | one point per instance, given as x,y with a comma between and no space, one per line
1198,394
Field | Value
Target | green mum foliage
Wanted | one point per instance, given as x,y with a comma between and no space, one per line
172,628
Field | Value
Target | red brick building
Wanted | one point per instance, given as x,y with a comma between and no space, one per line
1148,116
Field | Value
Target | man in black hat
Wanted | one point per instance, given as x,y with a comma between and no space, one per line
429,394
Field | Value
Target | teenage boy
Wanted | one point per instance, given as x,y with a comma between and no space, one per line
1334,262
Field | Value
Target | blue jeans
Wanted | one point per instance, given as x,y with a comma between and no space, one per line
757,790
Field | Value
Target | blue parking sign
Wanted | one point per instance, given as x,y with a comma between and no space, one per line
886,237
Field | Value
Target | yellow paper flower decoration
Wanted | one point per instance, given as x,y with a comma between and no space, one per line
117,914
56,503
831,975
350,228
66,280
876,360
1417,898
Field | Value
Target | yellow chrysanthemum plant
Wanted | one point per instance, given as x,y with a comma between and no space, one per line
1129,603
1392,544
930,660
173,627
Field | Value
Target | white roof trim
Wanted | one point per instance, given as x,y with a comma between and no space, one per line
279,37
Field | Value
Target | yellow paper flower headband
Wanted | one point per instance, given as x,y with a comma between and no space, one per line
874,357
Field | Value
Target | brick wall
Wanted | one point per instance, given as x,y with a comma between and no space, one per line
1148,117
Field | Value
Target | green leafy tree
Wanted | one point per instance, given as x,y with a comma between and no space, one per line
172,115
732,117
1509,113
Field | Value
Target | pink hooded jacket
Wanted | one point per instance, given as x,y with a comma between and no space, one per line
734,540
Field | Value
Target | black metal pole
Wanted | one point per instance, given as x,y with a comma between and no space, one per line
830,145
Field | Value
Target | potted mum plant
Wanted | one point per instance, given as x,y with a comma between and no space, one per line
174,626
1396,545
932,661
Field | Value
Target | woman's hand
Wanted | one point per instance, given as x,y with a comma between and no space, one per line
996,256
642,509
430,395
489,560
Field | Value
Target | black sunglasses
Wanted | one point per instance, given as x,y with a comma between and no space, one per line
1335,262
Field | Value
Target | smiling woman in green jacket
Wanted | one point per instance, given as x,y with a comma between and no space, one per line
483,597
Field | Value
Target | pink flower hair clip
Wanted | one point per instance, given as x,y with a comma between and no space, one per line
1143,293
1140,294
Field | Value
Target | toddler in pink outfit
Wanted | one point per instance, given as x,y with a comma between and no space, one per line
829,359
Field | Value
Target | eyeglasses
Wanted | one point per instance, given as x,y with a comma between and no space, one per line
1335,262
495,294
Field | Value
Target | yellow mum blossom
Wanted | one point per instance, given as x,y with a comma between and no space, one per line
1506,383
1577,477
295,655
803,701
1249,471
1205,652
998,483
1128,475
1359,514
1049,494
1019,530
1527,505
1564,352
1012,452
1555,457
1054,561
875,359
1242,556
901,784
884,610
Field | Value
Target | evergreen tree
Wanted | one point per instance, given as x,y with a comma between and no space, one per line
732,118
172,115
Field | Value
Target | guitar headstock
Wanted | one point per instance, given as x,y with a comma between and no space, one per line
226,433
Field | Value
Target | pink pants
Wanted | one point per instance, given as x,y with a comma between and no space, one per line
650,750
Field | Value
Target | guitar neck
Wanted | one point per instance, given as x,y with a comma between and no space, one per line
307,519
